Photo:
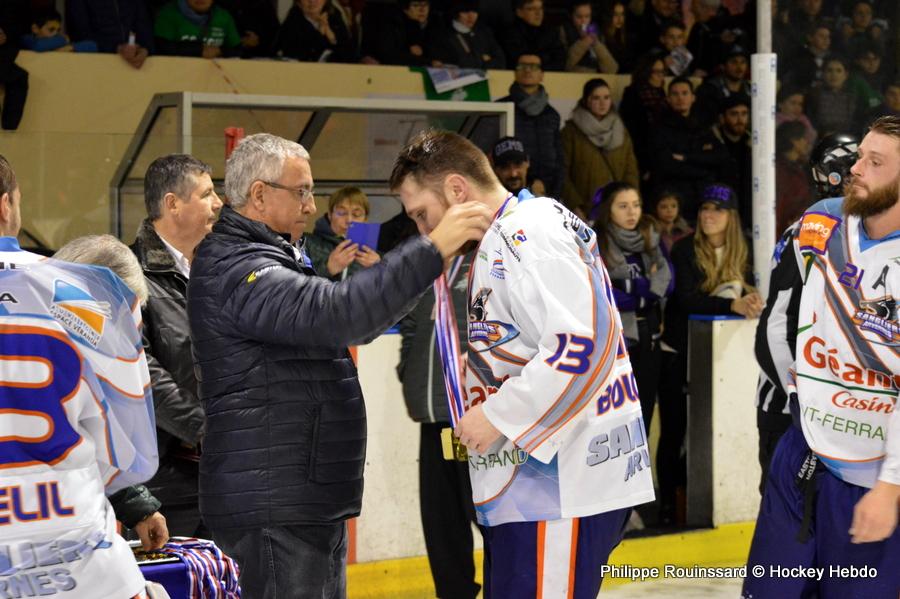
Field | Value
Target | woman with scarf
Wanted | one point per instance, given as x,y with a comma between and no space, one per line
597,149
641,278
713,275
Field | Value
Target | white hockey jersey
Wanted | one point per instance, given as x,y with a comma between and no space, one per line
76,423
847,372
546,357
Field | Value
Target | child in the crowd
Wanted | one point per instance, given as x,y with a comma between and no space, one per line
833,106
668,220
46,35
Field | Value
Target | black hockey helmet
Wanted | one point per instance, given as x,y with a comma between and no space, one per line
831,161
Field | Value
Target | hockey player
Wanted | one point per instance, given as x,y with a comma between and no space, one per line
834,480
76,420
557,449
831,161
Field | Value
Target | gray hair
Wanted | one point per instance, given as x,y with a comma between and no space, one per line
258,157
170,174
106,250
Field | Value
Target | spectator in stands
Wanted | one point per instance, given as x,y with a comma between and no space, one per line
668,220
650,23
257,22
510,163
832,106
46,35
537,125
889,107
806,68
445,493
351,12
196,28
14,79
313,32
530,35
618,37
332,254
790,102
671,49
182,206
405,39
123,27
860,32
713,275
807,16
715,90
867,78
465,42
643,103
706,41
586,53
733,131
686,156
597,148
641,278
794,188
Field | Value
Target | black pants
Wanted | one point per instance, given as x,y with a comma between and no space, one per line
14,79
671,466
445,500
645,356
768,440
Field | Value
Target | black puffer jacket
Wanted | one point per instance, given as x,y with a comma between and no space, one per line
167,343
286,422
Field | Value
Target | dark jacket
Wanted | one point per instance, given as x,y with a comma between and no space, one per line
319,245
286,423
167,343
477,49
540,135
300,39
258,16
641,107
521,38
419,369
399,33
109,23
133,504
688,298
704,158
738,174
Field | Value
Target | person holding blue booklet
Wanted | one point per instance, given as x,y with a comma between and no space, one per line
332,252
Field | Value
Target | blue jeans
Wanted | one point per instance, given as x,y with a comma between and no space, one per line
289,562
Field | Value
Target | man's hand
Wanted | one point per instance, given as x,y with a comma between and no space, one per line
152,531
538,188
250,39
875,515
461,223
367,257
2,37
341,257
416,50
475,431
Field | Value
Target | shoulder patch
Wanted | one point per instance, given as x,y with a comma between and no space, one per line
260,272
816,229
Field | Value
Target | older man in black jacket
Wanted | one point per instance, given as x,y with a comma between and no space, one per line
181,207
283,455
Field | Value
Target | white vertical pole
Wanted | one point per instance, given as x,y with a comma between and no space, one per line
762,71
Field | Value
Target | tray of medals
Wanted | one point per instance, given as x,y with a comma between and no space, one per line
150,557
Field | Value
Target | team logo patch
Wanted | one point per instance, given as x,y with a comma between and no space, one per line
79,312
259,272
490,332
816,229
498,271
880,317
519,237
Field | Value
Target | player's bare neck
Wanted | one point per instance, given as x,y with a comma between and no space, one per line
882,225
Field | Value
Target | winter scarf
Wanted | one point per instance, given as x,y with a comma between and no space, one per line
533,104
607,133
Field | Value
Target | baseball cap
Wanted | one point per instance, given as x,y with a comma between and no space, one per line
732,100
719,194
736,50
508,149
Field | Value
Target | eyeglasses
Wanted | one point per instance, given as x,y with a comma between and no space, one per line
528,66
304,194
